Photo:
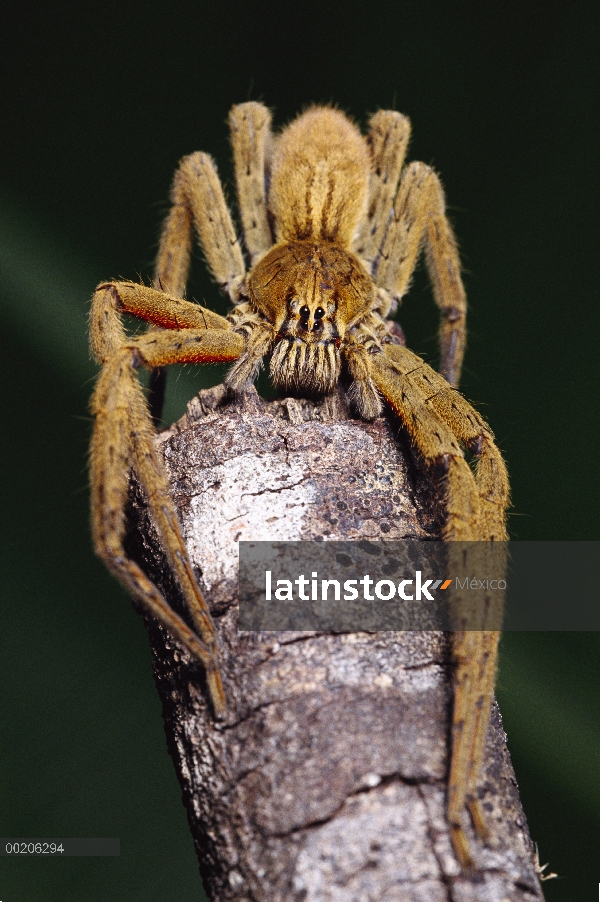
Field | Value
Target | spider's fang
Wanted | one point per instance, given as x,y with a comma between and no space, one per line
299,366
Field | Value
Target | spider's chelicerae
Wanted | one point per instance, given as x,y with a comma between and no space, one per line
332,225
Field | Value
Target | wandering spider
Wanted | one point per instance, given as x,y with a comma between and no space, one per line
333,226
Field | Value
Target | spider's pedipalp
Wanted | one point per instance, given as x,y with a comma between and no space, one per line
389,134
245,370
251,141
363,391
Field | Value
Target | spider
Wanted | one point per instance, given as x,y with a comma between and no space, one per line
333,224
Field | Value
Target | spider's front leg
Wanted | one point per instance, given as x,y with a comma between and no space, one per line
436,418
122,439
399,368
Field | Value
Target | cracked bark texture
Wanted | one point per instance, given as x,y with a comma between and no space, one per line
326,782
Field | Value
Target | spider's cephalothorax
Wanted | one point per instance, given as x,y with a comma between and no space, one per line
332,225
297,283
310,292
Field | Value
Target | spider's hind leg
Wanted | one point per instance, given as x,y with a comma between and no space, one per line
251,141
388,137
417,218
197,199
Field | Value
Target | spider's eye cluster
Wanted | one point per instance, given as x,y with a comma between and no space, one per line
304,315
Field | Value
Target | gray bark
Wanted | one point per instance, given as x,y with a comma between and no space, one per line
327,779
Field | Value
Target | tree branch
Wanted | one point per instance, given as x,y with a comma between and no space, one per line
327,780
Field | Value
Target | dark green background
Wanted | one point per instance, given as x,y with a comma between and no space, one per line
99,100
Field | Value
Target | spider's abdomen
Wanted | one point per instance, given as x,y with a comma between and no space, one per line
320,178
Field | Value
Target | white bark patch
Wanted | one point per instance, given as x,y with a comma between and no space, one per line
256,497
390,832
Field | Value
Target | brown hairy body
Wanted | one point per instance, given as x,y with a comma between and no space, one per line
333,224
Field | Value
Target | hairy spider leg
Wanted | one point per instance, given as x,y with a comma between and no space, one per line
252,143
472,431
123,435
475,658
388,137
432,438
418,218
425,401
197,200
157,307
